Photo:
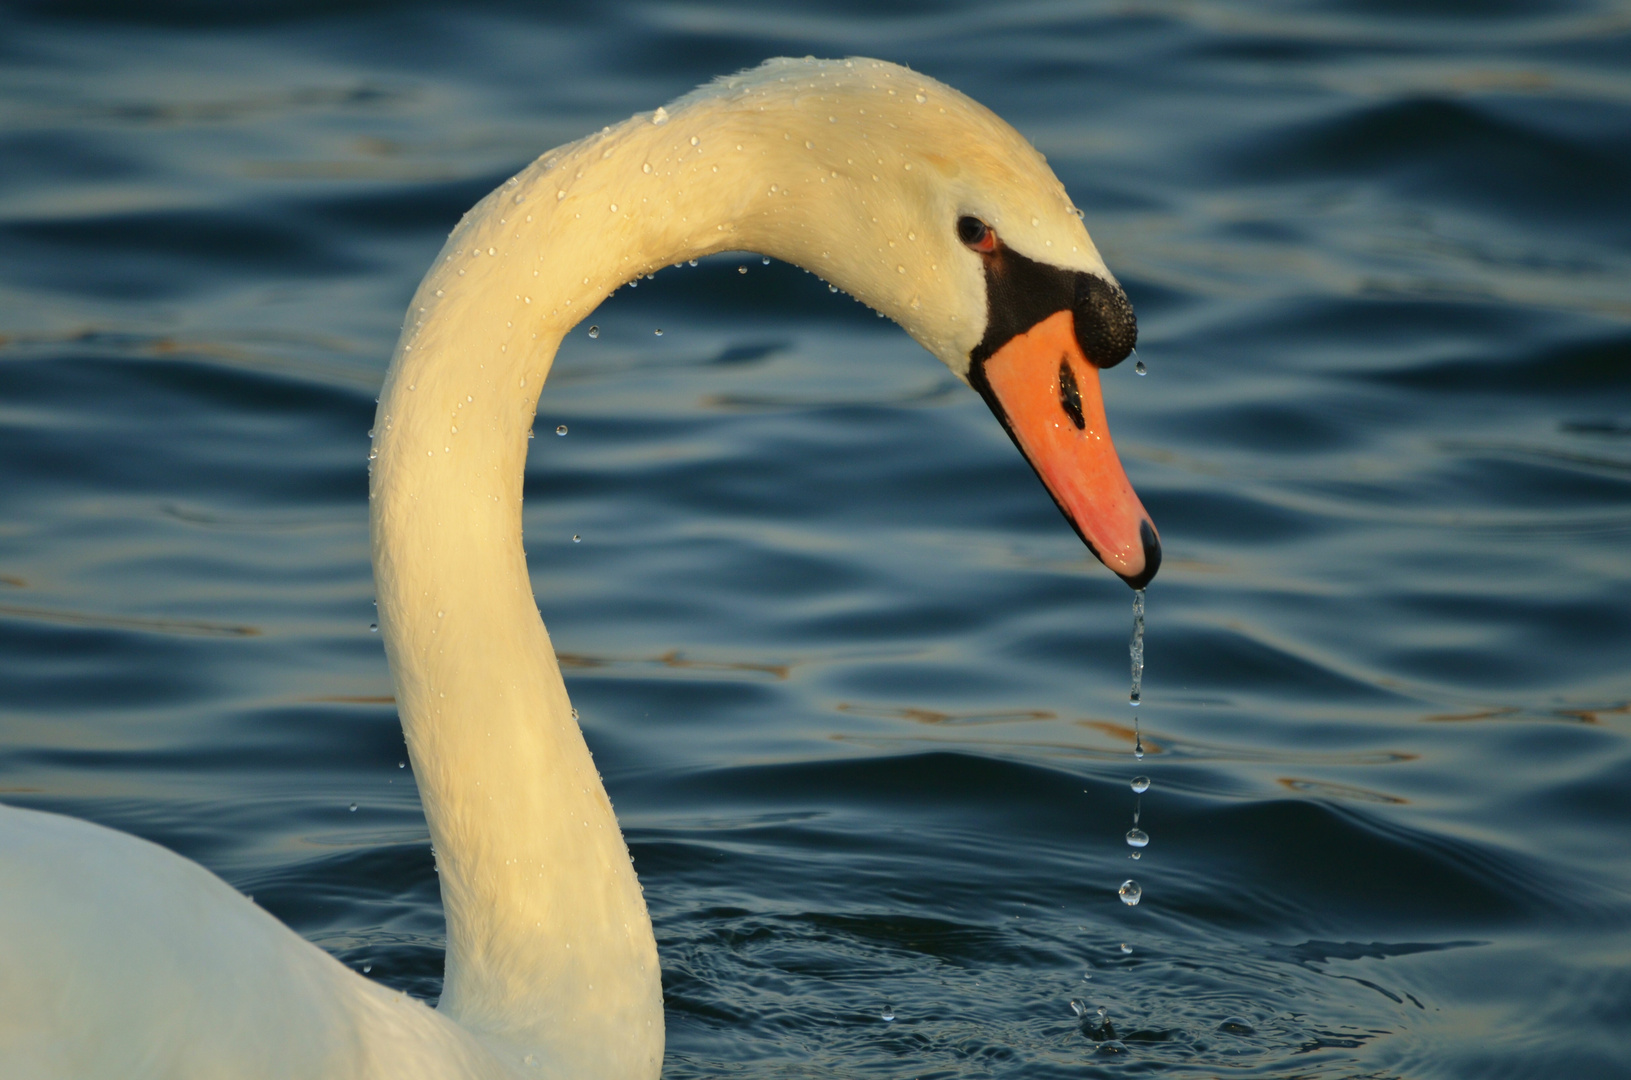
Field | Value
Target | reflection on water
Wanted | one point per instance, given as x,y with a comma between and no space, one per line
855,687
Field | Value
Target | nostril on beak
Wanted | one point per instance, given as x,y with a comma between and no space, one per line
1152,555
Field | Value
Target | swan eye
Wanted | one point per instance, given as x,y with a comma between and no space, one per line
977,235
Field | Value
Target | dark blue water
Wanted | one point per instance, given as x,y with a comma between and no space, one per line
858,693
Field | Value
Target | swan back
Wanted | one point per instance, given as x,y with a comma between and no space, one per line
150,966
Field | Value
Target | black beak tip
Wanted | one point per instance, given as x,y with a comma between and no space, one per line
1152,556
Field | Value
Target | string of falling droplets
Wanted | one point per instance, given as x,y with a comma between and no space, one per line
1131,892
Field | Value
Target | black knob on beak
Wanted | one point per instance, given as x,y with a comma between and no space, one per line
1106,328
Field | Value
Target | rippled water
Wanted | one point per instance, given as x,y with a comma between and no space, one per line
858,693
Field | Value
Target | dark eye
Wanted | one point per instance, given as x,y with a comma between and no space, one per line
976,234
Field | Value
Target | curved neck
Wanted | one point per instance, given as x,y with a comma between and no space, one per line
550,949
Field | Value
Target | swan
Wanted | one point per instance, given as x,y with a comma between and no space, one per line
121,959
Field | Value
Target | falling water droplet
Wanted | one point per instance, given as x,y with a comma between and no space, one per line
1135,648
560,429
1140,368
576,539
352,808
1126,948
1077,1007
1130,892
1141,784
888,1013
1137,838
373,628
402,764
765,260
366,968
1135,854
658,331
741,269
594,331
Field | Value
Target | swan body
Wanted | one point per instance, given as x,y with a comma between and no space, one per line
120,959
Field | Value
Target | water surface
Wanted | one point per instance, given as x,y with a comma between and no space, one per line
858,693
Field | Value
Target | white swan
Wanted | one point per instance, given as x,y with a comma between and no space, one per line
120,959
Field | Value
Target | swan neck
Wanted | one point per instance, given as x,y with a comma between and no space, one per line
550,950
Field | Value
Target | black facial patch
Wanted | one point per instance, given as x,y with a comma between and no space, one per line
1021,292
1070,395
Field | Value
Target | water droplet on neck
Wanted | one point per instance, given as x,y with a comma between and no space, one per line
1137,838
1141,784
560,429
1131,892
594,331
574,714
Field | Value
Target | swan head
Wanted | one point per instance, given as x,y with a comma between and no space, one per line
927,206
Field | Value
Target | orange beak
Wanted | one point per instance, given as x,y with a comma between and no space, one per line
1047,394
